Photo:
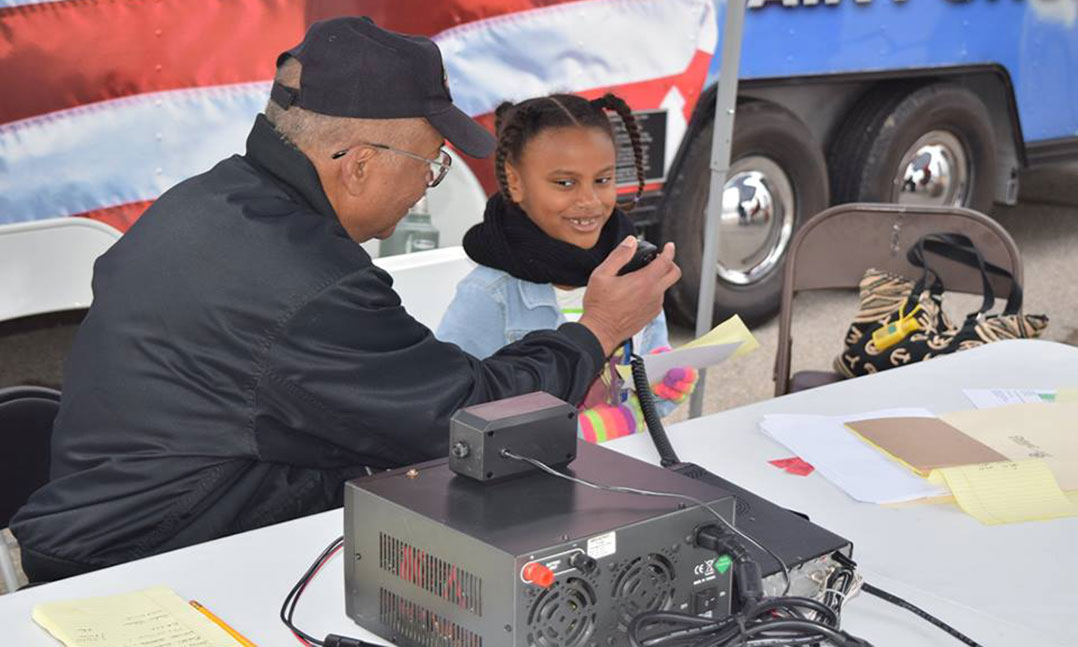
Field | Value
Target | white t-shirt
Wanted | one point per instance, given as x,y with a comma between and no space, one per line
570,302
571,305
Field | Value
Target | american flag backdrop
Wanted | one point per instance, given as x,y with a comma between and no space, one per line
108,103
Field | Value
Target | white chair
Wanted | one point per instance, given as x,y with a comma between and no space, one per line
47,264
427,281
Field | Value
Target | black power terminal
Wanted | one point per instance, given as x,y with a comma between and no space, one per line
583,562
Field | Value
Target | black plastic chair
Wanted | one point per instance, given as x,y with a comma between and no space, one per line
26,417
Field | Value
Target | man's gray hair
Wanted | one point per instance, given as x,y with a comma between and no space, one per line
313,132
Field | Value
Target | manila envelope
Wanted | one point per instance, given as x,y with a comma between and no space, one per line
924,444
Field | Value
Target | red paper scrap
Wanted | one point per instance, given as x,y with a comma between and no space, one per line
793,466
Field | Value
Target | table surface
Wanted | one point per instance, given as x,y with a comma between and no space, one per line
998,584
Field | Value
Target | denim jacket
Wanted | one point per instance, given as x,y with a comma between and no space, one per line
493,308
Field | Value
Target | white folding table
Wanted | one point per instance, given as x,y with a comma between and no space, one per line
1001,585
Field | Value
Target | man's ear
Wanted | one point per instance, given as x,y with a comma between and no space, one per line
516,185
356,167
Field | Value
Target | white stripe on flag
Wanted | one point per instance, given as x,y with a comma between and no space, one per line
573,47
114,152
7,4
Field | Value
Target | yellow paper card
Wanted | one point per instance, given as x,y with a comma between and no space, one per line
713,348
730,331
1008,492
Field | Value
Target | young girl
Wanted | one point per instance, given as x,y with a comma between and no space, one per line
553,221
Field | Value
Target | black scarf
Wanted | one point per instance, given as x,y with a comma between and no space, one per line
508,240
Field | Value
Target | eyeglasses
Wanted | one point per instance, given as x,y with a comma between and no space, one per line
437,167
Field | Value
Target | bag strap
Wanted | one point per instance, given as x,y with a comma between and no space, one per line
959,248
965,255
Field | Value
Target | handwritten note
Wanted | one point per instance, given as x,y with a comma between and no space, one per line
1008,492
154,617
1028,431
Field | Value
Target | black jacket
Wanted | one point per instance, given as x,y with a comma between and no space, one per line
242,359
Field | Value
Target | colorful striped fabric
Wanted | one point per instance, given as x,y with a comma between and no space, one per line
605,422
109,103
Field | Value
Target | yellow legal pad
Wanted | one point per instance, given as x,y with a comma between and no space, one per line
154,617
1008,492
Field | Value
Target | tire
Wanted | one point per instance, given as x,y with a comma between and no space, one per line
772,142
872,158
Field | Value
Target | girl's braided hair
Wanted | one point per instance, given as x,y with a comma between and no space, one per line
516,124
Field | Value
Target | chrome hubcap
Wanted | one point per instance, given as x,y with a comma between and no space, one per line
757,220
934,171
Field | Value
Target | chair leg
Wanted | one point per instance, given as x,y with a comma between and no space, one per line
7,567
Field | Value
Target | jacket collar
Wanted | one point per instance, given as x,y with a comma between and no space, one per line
270,150
537,295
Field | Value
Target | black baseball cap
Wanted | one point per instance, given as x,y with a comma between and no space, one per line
354,68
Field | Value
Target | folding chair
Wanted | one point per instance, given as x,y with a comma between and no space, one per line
835,247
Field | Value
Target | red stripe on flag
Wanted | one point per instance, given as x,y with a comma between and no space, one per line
121,216
59,55
424,17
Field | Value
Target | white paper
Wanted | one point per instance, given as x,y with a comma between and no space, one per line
657,364
991,398
847,461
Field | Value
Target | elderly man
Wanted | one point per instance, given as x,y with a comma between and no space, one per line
243,357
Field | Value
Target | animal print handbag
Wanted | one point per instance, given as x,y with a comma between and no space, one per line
901,321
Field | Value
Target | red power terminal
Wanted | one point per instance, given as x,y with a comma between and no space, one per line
538,575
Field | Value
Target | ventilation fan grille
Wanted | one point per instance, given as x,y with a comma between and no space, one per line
563,615
421,625
430,573
644,584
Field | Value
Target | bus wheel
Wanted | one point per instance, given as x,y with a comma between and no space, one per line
777,180
927,146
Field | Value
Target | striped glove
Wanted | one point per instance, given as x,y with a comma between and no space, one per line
677,384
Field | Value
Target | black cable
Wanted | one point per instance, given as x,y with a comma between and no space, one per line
762,624
667,455
288,608
758,626
912,608
791,603
802,625
838,586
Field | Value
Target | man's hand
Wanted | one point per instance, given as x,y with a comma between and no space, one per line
618,307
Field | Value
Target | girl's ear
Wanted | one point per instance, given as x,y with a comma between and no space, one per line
514,182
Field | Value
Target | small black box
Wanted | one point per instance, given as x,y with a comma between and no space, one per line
536,425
